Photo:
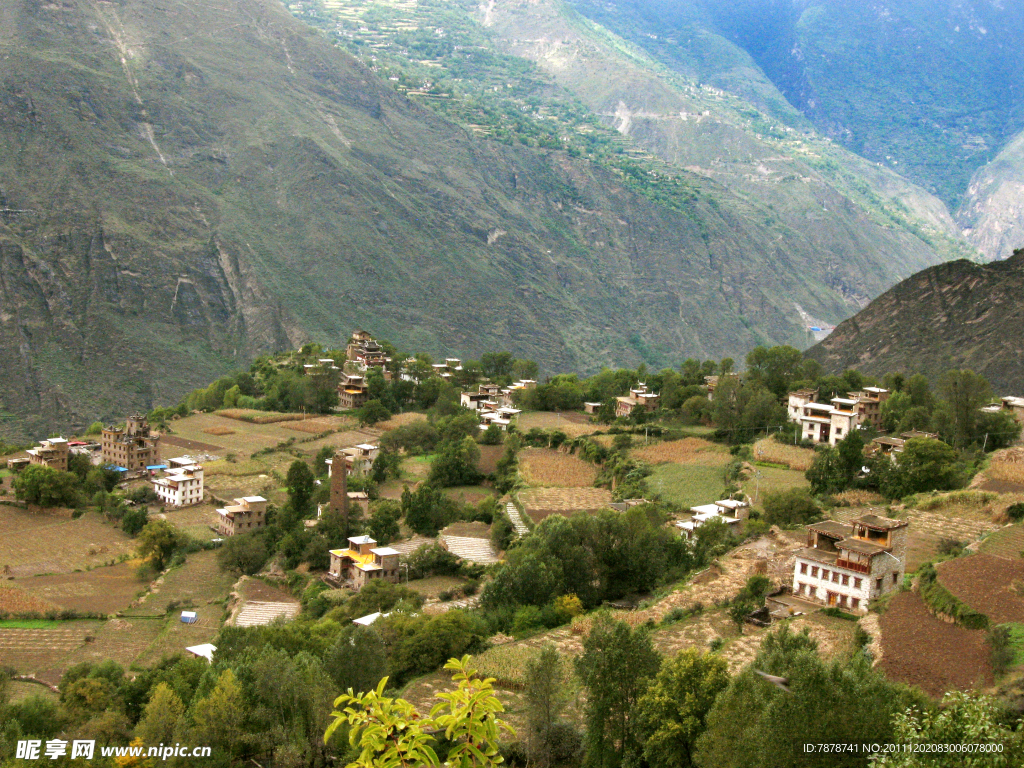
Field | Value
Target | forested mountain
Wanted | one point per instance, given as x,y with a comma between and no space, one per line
932,89
955,315
186,186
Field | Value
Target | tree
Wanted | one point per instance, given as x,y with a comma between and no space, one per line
390,732
672,713
775,368
615,667
94,429
134,520
851,455
546,697
217,719
455,464
162,717
923,465
383,523
739,610
157,542
827,473
243,554
300,482
792,507
372,412
964,393
964,718
46,486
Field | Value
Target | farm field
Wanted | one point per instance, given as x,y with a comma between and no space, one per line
213,433
792,456
122,640
468,494
690,450
43,652
195,521
102,590
919,649
198,582
40,543
538,503
772,480
687,485
1007,466
345,439
489,455
986,583
572,424
19,691
1007,542
547,468
16,600
432,586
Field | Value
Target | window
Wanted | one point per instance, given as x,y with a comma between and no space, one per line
803,567
856,583
814,571
855,602
846,580
895,578
835,577
878,584
824,574
842,600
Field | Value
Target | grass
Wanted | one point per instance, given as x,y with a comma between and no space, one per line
1016,642
772,480
30,624
687,485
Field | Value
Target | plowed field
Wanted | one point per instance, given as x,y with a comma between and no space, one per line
919,649
985,583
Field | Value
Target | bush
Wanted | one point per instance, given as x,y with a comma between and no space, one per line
1015,512
792,507
431,560
950,547
134,520
245,553
944,602
1001,648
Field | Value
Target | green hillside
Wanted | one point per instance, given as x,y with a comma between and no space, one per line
184,187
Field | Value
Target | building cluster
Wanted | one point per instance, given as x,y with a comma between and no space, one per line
846,565
832,422
1014,405
726,511
181,484
52,453
365,352
493,404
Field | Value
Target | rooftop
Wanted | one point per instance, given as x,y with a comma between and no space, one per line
832,529
879,523
818,555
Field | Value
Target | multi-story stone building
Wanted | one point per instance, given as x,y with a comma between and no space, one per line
52,453
640,397
847,565
132,447
364,561
353,392
244,516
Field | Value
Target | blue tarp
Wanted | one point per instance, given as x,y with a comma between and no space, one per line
116,468
157,466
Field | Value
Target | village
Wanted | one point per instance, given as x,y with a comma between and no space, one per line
377,514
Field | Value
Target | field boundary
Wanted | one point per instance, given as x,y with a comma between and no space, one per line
944,604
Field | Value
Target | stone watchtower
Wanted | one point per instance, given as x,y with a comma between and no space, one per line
339,486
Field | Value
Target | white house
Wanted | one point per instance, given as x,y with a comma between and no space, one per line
180,486
700,515
847,565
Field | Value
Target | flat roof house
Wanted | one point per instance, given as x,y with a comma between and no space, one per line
364,561
247,514
181,486
133,447
640,397
52,453
847,565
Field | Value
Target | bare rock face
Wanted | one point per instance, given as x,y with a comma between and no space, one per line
955,315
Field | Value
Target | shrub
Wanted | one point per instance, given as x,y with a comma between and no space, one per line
1001,648
944,602
1015,512
792,507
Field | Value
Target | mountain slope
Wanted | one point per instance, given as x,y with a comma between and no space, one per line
955,315
186,186
992,214
931,88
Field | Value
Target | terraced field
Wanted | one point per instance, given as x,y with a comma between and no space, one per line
538,503
1007,542
544,467
44,653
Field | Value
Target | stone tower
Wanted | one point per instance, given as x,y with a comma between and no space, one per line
339,486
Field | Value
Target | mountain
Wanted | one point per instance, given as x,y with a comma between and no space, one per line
955,315
184,187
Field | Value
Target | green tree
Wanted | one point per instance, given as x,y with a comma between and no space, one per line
964,718
672,713
158,540
546,694
373,412
243,554
923,465
615,668
134,520
455,464
792,507
218,719
964,393
383,522
162,718
300,482
390,733
46,487
827,473
95,428
775,368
